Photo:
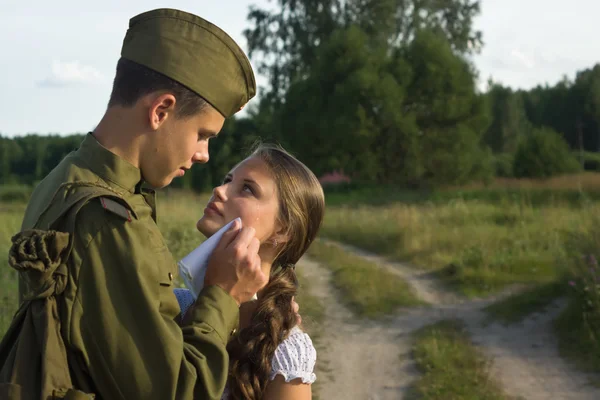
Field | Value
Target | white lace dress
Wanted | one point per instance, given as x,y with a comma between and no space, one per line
294,358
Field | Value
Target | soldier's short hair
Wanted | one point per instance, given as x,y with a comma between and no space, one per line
133,81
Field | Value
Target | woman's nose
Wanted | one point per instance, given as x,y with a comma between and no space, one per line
220,192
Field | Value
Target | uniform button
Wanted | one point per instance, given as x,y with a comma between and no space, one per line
233,331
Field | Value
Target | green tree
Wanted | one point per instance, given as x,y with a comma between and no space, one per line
587,86
404,117
452,19
332,118
284,41
508,119
450,115
558,107
544,153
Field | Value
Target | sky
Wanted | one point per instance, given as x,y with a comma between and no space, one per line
58,58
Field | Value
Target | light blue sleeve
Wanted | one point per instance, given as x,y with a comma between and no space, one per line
184,298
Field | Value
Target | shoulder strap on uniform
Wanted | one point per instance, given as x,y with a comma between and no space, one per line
61,214
115,207
78,194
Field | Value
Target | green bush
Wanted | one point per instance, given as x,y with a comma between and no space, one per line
15,193
503,165
591,161
544,153
483,167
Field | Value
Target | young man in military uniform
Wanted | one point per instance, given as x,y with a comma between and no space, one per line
108,307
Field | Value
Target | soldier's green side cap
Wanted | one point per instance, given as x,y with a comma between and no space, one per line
193,52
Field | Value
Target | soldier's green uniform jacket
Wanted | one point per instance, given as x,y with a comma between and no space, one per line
118,311
99,315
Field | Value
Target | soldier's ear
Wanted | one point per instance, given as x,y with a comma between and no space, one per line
160,108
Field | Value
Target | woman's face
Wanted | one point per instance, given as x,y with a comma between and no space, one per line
249,192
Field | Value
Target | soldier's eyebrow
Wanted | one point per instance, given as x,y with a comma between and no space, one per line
206,133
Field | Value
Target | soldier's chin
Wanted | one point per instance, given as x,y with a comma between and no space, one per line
208,227
158,183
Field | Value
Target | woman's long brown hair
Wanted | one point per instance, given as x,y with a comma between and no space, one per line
301,209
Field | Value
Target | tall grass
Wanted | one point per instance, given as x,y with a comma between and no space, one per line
584,181
565,190
536,299
579,325
368,290
15,193
451,367
178,212
10,215
479,247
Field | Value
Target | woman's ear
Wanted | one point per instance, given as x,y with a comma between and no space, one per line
280,236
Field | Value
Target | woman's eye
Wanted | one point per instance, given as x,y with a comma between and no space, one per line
248,189
225,181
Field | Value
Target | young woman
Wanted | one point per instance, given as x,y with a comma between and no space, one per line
277,195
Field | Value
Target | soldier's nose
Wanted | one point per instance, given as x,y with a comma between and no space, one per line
200,157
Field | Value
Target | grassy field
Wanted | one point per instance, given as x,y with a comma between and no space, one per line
177,216
578,327
10,215
451,367
482,239
535,299
367,290
478,241
566,189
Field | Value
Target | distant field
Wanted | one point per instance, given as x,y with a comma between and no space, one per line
569,190
478,240
585,181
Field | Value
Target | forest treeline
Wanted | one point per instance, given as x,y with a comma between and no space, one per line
382,91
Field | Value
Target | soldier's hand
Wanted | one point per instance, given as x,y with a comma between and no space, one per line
235,264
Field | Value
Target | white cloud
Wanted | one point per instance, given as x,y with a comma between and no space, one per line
71,73
524,59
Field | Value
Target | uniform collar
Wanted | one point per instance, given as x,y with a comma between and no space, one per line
107,165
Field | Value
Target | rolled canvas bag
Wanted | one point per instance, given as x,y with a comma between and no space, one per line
33,357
